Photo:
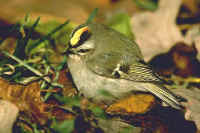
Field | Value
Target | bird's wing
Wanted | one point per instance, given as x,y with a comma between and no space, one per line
115,66
138,71
122,67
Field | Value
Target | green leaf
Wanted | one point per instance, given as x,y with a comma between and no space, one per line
35,129
60,37
38,49
92,16
23,41
121,23
26,18
146,4
22,130
62,64
98,112
34,45
27,37
129,129
70,101
65,127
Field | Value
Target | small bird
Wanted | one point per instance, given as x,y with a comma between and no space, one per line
106,65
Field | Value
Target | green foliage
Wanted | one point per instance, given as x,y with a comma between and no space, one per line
59,67
98,112
62,64
22,130
35,130
121,23
22,67
46,37
129,129
92,16
146,4
69,101
19,52
66,126
22,41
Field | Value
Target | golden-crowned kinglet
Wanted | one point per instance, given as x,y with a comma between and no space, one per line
101,59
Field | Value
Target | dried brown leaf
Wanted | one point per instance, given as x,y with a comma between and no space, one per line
26,98
181,61
134,104
66,80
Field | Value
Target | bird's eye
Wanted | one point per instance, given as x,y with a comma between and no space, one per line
83,50
79,36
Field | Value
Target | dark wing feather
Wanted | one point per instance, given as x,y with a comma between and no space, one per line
139,72
143,73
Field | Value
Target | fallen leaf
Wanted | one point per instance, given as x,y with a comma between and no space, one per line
134,104
26,98
193,104
156,32
66,80
181,61
193,36
8,115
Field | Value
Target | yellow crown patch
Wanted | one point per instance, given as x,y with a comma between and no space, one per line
77,35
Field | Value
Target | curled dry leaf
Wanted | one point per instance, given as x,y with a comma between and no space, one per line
8,115
156,32
134,104
193,36
26,98
193,104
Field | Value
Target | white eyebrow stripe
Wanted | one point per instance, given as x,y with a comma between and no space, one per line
87,45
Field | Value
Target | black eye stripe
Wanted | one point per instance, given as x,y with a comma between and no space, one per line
84,50
84,36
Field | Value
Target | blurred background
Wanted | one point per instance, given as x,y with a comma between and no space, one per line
76,10
156,25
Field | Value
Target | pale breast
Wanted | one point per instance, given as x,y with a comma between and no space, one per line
95,86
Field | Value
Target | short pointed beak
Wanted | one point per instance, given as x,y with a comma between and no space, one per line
69,51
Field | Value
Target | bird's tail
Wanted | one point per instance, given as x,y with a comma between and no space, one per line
165,95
